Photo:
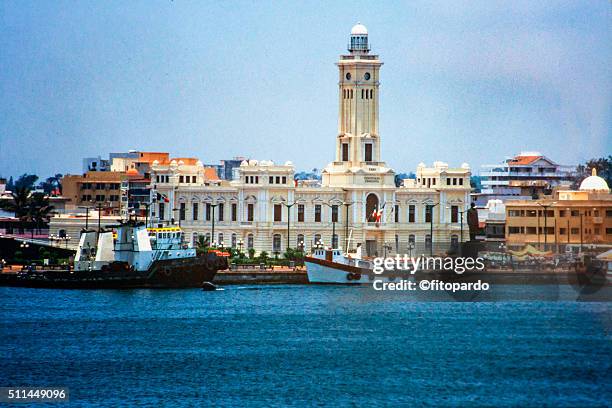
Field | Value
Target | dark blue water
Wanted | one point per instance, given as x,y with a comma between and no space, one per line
304,345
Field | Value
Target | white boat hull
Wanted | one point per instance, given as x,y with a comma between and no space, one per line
325,274
333,273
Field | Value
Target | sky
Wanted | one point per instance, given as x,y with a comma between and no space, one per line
462,81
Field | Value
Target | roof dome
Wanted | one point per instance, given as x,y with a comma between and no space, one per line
594,183
359,29
132,172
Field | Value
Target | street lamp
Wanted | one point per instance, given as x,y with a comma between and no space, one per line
288,221
546,206
179,217
431,217
581,230
240,243
346,233
502,248
99,207
334,220
212,229
568,225
461,222
87,208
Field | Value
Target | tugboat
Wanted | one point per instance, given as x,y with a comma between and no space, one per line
136,257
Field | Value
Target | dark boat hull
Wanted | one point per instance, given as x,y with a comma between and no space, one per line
171,273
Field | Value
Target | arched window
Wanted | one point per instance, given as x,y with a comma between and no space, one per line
220,242
300,243
454,241
234,240
335,241
250,241
371,93
371,206
276,243
428,241
317,239
362,92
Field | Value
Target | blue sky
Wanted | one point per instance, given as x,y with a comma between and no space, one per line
463,81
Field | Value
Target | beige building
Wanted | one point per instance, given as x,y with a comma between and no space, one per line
357,200
581,218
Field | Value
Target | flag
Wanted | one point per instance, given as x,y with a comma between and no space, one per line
162,197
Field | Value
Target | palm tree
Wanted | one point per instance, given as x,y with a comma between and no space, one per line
39,209
19,203
29,208
202,244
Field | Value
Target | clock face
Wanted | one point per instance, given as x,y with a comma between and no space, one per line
366,76
348,76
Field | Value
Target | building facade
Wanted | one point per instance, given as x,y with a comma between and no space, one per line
526,176
357,201
573,219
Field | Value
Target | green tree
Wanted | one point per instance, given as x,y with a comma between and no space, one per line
202,244
51,184
26,181
19,205
39,210
602,165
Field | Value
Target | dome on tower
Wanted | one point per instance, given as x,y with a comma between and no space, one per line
594,183
359,29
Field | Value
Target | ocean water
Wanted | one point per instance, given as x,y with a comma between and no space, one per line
265,346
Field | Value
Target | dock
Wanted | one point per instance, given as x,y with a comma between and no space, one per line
255,275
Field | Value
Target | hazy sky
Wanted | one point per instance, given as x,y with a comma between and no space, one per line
462,81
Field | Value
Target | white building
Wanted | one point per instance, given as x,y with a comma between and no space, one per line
255,208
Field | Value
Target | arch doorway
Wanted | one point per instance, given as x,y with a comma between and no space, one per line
371,205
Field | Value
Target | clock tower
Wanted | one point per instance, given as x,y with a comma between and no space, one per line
358,140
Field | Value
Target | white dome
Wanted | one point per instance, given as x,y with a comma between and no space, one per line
465,166
359,29
181,162
594,183
244,163
199,163
155,162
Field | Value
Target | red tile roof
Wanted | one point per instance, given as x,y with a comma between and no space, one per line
521,160
210,174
